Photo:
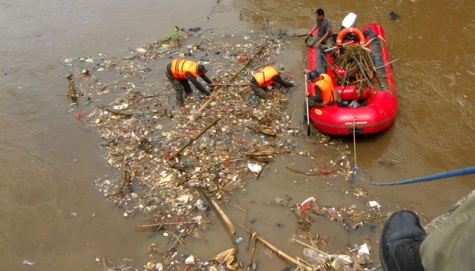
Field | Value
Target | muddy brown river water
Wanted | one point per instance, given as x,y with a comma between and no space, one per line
50,213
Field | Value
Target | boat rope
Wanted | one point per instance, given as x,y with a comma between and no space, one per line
354,140
438,176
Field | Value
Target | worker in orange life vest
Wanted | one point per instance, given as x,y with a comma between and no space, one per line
180,71
265,78
325,93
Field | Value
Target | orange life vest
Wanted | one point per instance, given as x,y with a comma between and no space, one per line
326,86
180,67
264,77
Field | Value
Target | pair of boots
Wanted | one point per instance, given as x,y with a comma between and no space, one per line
400,240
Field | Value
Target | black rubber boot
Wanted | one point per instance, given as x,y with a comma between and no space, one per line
400,240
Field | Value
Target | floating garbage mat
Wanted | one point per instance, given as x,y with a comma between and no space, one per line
168,156
173,162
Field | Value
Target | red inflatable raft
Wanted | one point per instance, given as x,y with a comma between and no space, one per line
367,110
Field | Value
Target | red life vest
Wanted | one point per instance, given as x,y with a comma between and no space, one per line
264,77
180,67
326,86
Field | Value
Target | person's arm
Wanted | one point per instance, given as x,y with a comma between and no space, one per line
312,29
280,81
197,84
327,34
169,72
207,80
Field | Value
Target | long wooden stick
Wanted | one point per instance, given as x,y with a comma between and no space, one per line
375,71
221,213
233,85
252,254
389,63
182,29
275,250
235,75
309,246
172,223
194,138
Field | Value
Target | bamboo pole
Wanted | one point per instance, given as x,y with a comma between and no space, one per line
309,246
225,218
182,29
172,223
389,63
232,85
367,60
276,250
252,255
235,75
324,56
194,138
364,75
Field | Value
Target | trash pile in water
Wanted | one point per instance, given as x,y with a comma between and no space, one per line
170,156
176,162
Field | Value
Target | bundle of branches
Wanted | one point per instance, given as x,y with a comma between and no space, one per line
359,68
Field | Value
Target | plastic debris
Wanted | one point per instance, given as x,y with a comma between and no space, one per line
26,262
227,258
374,204
190,260
254,167
306,204
363,249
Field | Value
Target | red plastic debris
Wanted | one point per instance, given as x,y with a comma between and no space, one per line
242,58
79,116
306,204
168,154
324,170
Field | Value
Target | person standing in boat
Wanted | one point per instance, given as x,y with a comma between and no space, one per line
180,71
324,34
325,93
264,79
